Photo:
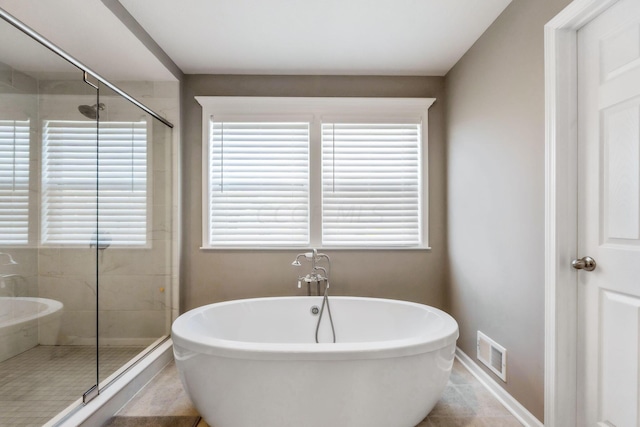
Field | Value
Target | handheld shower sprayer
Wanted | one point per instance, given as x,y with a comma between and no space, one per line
296,262
313,256
9,260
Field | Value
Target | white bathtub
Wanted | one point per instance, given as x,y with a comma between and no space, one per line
255,362
26,322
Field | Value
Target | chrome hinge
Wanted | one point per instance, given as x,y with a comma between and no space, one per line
90,79
90,394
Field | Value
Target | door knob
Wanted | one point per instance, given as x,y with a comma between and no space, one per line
584,263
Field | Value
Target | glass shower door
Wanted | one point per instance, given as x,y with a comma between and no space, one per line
68,247
134,212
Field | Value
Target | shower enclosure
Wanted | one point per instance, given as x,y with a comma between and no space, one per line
87,259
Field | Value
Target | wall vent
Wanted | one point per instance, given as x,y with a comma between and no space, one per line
493,355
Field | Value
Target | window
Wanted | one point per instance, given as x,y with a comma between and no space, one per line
322,172
79,178
370,184
258,183
14,182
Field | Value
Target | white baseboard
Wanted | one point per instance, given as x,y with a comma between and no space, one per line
512,405
116,395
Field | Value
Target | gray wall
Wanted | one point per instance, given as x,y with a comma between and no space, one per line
495,190
210,276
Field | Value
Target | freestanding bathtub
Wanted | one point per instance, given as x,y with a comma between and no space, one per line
26,322
255,362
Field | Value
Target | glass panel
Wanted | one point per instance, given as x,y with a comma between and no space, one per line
135,207
48,304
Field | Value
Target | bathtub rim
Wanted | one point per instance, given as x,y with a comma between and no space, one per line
53,308
186,339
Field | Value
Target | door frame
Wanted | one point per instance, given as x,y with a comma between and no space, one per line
561,184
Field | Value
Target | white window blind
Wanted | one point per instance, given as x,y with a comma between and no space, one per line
370,184
258,184
81,178
14,182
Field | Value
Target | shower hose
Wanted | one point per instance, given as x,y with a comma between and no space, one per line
325,302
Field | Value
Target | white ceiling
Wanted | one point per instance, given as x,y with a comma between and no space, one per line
87,30
351,37
354,37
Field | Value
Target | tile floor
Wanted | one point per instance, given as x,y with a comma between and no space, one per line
39,383
465,402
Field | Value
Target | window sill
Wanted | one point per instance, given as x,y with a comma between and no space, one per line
306,248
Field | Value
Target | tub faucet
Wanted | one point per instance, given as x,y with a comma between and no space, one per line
9,259
315,276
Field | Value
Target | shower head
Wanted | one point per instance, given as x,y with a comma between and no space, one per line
91,111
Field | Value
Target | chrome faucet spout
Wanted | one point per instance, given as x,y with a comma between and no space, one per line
321,278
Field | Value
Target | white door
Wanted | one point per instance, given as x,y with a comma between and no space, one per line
609,218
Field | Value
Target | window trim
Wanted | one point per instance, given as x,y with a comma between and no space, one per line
317,110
